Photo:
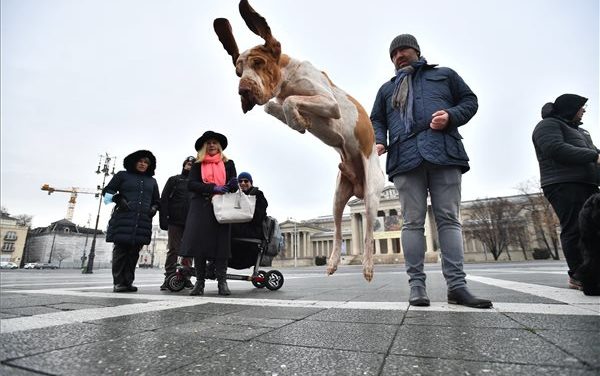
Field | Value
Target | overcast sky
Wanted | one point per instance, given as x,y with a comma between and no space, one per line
80,78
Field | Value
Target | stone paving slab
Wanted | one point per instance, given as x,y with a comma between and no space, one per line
396,365
150,320
589,324
465,319
148,353
372,316
334,335
212,329
258,358
480,344
29,342
583,345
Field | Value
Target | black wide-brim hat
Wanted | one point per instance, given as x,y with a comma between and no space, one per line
210,135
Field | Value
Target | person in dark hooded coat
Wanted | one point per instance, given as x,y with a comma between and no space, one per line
204,238
137,198
243,253
174,206
569,170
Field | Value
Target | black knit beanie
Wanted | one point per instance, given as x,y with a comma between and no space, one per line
404,40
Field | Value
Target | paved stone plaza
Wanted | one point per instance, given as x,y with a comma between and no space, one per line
60,322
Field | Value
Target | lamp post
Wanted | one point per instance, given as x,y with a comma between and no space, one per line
105,160
87,233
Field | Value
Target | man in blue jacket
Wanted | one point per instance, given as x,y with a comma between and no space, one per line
416,116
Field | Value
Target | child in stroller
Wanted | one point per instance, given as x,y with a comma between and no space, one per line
245,253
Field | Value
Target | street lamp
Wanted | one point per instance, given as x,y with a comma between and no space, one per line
105,160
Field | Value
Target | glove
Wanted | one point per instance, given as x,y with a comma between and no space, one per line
108,198
232,184
153,210
219,189
121,202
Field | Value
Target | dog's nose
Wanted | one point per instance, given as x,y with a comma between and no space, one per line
244,91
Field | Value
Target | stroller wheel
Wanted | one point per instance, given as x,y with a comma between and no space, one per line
274,280
176,283
260,280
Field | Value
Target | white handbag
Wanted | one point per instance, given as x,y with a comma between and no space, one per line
234,207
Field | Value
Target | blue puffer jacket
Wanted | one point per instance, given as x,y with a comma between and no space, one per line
434,89
133,226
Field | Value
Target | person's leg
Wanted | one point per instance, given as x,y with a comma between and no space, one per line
445,192
412,194
133,255
119,266
567,199
200,265
444,189
221,275
175,233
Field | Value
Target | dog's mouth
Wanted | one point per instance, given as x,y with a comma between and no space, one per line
247,97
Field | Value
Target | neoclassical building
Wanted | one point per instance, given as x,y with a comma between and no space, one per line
304,240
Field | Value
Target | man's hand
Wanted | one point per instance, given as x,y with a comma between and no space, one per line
439,120
380,149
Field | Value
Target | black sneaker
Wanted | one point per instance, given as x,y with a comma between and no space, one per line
164,286
188,284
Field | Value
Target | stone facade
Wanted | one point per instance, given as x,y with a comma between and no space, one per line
13,235
307,239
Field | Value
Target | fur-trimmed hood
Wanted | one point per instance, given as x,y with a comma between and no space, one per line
130,161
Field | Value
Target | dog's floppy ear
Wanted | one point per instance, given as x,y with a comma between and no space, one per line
225,34
258,25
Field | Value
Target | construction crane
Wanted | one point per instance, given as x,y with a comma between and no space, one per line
74,191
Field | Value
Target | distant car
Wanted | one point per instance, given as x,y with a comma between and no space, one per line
8,265
45,266
30,265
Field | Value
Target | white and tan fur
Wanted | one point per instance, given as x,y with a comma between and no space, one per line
305,99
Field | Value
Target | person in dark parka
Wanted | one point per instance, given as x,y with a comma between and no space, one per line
243,253
204,238
137,198
569,171
174,205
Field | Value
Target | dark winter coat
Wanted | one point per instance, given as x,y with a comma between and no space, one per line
133,225
203,235
175,201
434,89
565,152
254,228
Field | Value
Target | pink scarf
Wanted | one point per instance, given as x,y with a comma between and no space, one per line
213,169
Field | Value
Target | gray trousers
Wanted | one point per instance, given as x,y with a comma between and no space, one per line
443,183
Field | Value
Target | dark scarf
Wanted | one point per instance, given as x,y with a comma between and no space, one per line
402,99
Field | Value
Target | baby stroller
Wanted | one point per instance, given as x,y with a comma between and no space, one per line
245,252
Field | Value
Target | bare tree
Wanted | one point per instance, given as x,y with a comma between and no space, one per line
60,255
493,223
544,220
24,219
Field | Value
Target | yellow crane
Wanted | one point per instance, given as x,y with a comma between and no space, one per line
74,191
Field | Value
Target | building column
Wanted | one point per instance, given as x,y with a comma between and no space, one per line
355,226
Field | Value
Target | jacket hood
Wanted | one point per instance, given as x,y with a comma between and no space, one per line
130,161
564,107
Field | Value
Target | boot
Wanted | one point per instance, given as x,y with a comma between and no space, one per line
463,296
418,297
198,288
200,266
223,288
210,270
221,275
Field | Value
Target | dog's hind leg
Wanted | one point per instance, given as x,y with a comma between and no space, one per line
343,192
374,183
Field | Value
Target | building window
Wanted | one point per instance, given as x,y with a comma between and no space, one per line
10,235
8,247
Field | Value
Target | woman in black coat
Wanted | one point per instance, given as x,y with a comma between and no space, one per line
204,238
136,195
